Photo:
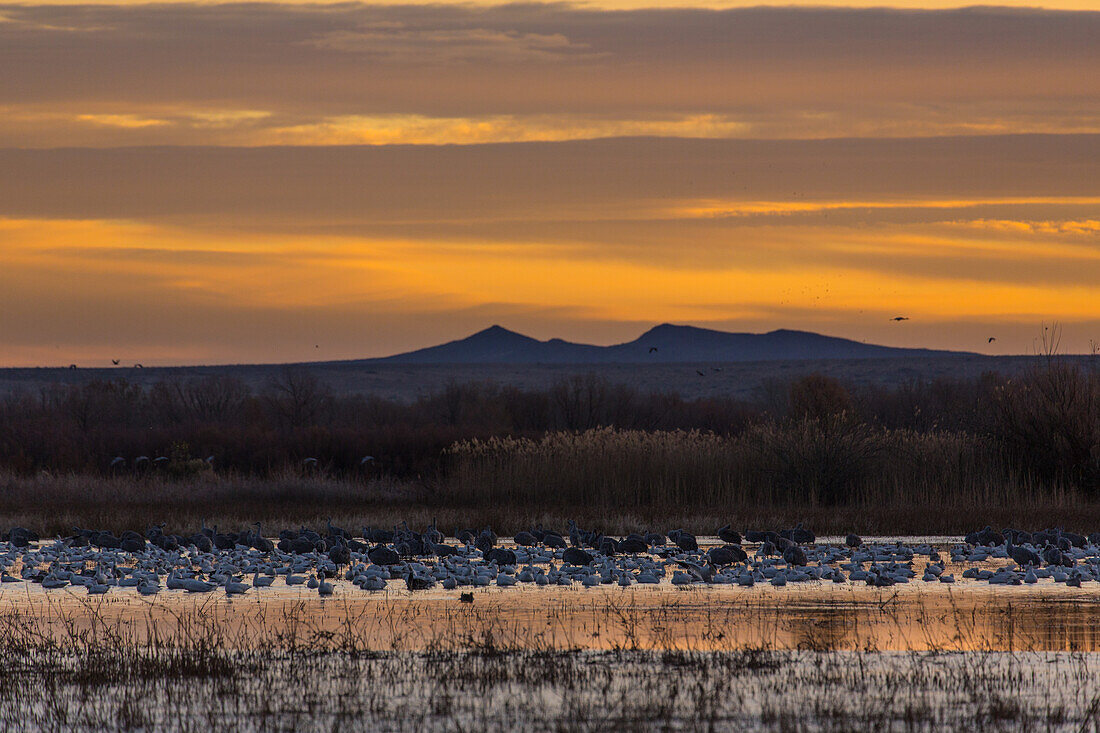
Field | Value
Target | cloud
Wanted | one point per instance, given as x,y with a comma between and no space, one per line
771,72
717,209
126,122
421,130
395,44
598,180
1084,228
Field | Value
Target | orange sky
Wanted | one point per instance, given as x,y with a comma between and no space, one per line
274,182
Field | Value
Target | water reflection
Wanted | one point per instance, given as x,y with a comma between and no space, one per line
813,619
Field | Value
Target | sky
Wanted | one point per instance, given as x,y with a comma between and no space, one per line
200,182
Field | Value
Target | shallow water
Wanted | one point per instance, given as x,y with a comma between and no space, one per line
815,615
813,656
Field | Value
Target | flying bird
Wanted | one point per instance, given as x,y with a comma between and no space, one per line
652,349
700,373
991,339
115,361
900,318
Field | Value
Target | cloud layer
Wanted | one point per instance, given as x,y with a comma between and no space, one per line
262,253
305,74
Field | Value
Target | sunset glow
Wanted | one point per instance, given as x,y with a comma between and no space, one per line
201,182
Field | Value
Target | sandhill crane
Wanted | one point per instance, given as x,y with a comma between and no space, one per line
234,587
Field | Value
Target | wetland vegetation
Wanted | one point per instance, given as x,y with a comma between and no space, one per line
924,457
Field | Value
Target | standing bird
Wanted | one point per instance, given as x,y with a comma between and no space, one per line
729,536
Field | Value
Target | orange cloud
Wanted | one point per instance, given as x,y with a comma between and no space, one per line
132,282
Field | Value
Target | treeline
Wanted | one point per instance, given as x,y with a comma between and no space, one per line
815,436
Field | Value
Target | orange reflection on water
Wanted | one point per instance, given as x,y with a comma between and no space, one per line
812,616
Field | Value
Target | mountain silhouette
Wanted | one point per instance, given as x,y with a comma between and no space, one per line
662,344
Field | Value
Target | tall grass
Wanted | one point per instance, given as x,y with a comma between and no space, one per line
828,461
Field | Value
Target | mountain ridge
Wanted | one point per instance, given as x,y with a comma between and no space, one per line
663,343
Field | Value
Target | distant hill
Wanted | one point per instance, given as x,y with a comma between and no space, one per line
662,344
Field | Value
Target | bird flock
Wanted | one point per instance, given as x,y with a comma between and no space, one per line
236,563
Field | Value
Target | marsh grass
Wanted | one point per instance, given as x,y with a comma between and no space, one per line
86,672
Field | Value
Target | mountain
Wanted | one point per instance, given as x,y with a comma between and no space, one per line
662,344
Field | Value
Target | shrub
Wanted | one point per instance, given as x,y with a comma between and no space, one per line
817,397
1050,421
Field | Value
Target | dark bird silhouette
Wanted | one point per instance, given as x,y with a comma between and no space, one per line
1022,555
419,582
700,373
526,539
138,366
685,541
115,361
554,540
382,555
576,556
652,349
991,339
900,318
721,555
794,555
729,536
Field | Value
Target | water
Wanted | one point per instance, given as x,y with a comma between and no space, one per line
968,615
